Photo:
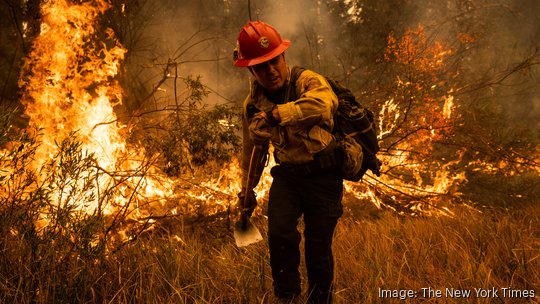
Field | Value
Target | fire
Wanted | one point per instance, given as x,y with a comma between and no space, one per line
229,185
414,116
67,82
69,86
448,104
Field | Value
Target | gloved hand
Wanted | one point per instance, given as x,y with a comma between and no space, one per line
247,204
375,166
259,129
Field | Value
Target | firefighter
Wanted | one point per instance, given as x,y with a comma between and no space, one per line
306,180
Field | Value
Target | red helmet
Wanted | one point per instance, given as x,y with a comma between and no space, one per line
258,42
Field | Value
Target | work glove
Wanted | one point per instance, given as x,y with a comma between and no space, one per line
259,129
247,204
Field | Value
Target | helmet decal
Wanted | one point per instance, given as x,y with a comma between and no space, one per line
263,41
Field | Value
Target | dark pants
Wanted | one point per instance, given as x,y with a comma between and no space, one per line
318,198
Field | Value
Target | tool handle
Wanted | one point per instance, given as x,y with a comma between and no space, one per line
254,163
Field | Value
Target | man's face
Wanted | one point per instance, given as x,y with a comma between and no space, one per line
271,74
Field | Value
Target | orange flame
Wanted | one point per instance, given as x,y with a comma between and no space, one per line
67,81
69,84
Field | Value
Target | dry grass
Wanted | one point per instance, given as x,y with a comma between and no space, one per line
200,264
496,249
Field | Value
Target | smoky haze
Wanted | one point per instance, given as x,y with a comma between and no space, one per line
201,36
344,39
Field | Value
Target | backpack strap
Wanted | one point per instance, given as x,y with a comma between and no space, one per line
291,90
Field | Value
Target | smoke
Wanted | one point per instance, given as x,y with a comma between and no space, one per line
200,37
507,50
306,23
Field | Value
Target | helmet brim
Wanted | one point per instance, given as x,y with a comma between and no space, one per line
275,52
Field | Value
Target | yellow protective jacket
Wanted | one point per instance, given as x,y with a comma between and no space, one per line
305,122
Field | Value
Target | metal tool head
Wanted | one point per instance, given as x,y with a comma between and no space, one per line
247,236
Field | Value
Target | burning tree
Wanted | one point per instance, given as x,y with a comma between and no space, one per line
431,143
415,117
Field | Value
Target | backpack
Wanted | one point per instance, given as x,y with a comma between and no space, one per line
354,130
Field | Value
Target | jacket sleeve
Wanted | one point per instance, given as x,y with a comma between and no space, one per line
317,102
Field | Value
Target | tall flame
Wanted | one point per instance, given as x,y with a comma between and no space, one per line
68,81
69,86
